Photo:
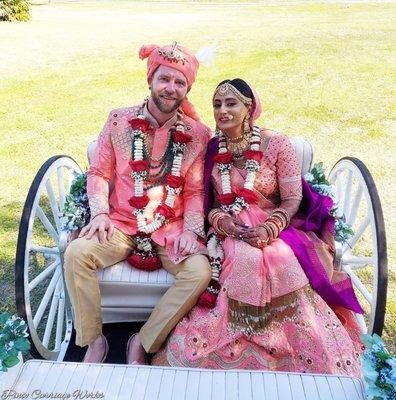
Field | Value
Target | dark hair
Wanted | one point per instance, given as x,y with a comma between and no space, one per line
240,85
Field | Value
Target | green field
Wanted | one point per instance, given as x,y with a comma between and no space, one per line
323,72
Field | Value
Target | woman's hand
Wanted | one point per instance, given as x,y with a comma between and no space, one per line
256,237
231,227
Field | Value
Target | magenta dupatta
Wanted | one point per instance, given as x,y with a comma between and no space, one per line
312,216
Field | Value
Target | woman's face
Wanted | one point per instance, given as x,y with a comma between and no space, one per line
229,112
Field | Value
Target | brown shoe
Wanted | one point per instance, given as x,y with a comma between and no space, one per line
97,351
135,353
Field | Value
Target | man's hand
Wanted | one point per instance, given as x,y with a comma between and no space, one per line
100,223
186,243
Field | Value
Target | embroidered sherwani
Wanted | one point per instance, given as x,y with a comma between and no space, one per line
110,162
109,188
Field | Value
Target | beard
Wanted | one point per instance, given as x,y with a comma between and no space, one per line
162,106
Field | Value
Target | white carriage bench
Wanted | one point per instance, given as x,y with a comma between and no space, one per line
122,382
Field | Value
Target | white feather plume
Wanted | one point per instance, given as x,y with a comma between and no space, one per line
206,55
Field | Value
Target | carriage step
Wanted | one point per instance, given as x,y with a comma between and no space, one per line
114,381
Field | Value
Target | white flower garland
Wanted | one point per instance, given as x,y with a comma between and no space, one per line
139,177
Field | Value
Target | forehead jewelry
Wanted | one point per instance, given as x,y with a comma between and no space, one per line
225,88
172,55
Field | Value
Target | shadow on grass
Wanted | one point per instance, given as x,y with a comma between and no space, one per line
9,224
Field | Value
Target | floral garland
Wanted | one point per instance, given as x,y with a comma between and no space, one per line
144,255
230,201
379,369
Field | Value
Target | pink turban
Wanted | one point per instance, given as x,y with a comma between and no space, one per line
177,57
174,56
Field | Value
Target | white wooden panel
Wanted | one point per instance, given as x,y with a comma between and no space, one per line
40,376
180,385
127,384
245,385
323,387
205,385
349,389
154,384
116,380
336,388
296,386
232,386
139,388
283,386
219,386
26,376
258,391
52,379
103,380
192,385
271,389
166,390
90,378
310,389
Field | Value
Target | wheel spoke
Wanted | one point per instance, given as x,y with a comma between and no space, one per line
340,197
358,234
45,250
46,298
356,262
51,315
61,188
43,275
53,204
350,219
61,316
347,195
358,283
47,224
361,322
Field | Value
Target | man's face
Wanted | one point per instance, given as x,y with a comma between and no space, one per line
168,89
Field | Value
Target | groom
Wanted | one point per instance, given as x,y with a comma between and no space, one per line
153,153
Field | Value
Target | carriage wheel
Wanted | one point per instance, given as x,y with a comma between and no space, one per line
39,285
364,255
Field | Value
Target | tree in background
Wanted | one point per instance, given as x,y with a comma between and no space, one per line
14,10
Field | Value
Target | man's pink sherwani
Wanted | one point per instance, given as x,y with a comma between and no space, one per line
110,164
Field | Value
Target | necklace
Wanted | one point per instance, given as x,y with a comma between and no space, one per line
237,148
243,197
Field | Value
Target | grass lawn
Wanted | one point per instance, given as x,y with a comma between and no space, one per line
323,72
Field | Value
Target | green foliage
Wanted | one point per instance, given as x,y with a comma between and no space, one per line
76,212
13,339
14,10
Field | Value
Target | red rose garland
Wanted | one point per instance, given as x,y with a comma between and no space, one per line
143,255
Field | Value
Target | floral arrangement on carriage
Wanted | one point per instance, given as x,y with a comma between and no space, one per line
13,339
379,369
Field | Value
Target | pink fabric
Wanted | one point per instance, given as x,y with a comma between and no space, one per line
189,66
301,332
110,162
256,108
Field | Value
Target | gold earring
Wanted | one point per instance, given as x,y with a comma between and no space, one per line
246,126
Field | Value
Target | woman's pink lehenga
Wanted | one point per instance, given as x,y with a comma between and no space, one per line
267,316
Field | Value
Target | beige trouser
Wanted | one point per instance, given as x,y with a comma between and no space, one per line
83,257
